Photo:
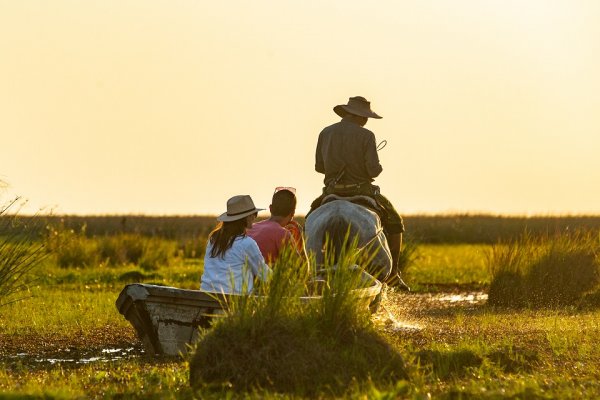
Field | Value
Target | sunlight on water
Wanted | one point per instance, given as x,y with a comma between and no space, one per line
387,319
393,324
473,298
107,356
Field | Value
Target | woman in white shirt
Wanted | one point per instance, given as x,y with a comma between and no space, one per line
233,260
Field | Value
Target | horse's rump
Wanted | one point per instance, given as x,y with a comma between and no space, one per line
341,222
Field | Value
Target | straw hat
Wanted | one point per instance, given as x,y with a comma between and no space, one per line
238,207
356,105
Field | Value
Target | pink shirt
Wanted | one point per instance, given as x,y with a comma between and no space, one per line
270,237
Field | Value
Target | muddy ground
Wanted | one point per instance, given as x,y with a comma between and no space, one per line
407,314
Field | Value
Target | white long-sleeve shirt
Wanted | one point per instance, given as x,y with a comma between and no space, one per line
236,270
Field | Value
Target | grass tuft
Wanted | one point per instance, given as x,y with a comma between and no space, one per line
280,342
20,253
76,249
547,271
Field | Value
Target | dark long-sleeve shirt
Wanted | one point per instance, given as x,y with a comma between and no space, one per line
347,144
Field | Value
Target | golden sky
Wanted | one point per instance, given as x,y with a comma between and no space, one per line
171,107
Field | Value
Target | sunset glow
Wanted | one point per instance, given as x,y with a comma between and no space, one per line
171,107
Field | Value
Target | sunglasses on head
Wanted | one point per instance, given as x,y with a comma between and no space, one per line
288,188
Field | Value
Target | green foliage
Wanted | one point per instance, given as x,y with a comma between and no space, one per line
442,267
193,247
71,248
20,253
408,255
549,271
277,340
120,249
431,229
490,229
76,249
447,363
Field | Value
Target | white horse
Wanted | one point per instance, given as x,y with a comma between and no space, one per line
335,219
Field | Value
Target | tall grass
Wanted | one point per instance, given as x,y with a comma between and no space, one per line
545,271
280,341
20,252
75,249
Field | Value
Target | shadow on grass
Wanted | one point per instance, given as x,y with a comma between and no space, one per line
458,363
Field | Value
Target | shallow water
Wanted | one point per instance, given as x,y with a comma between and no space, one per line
105,355
397,310
471,298
390,322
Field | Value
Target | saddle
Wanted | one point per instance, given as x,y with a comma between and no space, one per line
359,199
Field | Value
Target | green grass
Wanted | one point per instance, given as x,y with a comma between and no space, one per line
462,351
547,271
20,252
442,267
126,379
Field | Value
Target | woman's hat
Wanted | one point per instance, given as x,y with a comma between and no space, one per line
238,207
356,105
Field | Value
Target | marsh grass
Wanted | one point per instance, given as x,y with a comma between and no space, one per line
525,353
20,253
548,271
279,341
76,249
408,255
441,267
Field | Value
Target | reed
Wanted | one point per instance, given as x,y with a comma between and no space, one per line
76,249
20,253
547,271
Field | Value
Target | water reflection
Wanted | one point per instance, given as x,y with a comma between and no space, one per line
472,298
106,355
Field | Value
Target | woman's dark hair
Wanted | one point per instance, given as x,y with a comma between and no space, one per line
224,234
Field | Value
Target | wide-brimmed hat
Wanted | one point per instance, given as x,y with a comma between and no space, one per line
357,105
238,207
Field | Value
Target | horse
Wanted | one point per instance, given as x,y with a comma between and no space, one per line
339,218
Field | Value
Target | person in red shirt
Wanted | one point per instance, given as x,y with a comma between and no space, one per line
280,229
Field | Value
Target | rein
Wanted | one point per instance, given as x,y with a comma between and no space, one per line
377,233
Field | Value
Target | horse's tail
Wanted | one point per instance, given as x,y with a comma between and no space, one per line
337,237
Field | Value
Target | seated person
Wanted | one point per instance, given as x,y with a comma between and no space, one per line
233,260
280,229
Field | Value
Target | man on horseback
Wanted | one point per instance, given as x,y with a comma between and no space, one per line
347,155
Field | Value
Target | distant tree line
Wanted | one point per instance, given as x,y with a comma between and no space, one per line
419,228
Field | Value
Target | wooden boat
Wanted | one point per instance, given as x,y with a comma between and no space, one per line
167,319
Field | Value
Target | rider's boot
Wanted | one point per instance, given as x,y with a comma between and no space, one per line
395,278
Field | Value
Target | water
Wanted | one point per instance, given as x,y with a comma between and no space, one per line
471,298
397,311
393,324
105,355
